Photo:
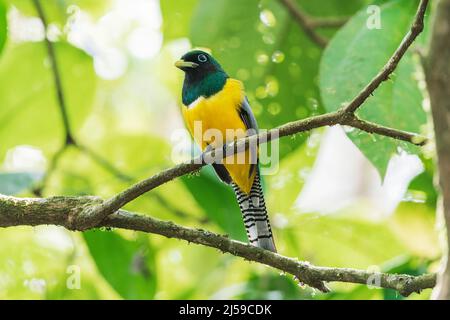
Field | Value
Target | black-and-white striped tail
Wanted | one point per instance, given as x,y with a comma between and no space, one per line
254,213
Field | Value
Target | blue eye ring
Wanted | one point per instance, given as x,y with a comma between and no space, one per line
202,58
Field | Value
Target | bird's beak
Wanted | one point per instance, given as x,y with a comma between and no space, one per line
181,64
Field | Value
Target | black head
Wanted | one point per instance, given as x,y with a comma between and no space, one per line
198,64
203,75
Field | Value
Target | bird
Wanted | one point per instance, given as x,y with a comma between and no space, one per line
213,101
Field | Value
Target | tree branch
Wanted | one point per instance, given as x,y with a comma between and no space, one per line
344,116
63,211
97,214
371,127
437,71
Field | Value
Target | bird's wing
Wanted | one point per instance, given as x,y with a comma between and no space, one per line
247,116
249,120
222,172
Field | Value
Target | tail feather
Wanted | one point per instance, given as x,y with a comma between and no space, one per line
254,213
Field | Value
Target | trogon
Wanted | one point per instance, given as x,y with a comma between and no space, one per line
215,103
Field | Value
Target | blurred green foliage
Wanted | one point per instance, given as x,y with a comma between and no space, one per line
125,125
58,11
2,25
29,113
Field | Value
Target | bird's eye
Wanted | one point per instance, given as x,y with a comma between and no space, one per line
202,58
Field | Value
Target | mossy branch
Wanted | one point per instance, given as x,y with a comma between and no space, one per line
65,211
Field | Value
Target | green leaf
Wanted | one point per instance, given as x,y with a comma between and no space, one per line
353,58
129,266
29,112
277,62
17,182
176,18
36,262
218,202
3,25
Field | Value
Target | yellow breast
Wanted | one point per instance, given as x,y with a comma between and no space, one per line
215,120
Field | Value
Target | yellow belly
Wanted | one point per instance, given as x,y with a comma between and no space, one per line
208,120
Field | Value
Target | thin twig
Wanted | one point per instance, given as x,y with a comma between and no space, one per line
328,22
305,22
371,127
63,211
389,67
69,139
